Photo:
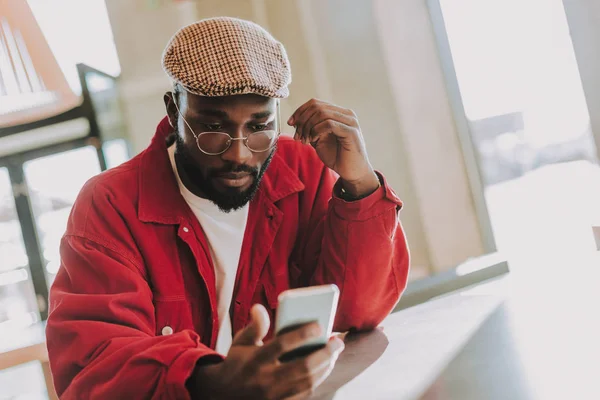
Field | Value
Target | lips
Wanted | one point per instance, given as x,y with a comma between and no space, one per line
234,179
233,175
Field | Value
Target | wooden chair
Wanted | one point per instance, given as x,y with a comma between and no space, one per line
32,85
40,115
39,112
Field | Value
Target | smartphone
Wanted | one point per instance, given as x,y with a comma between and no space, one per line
304,305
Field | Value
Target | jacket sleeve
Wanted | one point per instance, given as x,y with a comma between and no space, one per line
361,247
101,331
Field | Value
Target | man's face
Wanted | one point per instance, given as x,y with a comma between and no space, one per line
230,179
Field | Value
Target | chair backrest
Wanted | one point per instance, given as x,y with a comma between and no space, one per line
32,85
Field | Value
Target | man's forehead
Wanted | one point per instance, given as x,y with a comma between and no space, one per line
223,106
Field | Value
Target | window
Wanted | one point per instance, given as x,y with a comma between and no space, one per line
521,95
52,195
18,306
77,32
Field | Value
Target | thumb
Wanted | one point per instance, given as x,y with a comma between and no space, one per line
256,330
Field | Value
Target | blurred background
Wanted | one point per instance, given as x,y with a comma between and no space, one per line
483,114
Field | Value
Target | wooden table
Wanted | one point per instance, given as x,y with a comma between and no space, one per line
510,339
412,346
393,354
399,360
538,335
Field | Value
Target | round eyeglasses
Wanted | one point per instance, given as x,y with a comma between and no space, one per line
215,143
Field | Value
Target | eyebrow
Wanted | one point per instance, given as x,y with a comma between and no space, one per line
209,112
261,115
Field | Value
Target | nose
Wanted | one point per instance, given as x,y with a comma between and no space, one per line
237,153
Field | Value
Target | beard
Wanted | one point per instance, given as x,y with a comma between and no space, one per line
228,199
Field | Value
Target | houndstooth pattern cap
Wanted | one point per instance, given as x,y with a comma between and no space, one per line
227,56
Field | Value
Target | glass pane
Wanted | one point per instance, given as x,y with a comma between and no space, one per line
54,183
116,152
529,123
105,98
77,32
18,306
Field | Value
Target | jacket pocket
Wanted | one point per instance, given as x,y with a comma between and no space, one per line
172,316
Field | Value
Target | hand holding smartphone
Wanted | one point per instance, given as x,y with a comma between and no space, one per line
301,306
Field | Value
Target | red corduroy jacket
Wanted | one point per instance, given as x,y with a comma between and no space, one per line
135,260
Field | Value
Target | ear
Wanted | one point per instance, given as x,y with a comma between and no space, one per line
172,114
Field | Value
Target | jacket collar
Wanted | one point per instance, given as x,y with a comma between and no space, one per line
159,197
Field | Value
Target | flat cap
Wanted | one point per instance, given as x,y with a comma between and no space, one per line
226,56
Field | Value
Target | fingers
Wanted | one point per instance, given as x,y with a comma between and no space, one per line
299,396
283,343
301,110
318,133
314,362
304,109
331,121
312,370
299,123
315,112
257,329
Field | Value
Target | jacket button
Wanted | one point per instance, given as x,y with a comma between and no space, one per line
167,330
185,229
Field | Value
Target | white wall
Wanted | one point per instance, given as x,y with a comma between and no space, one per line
378,58
425,118
350,63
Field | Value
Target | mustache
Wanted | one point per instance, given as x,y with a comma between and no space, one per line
233,168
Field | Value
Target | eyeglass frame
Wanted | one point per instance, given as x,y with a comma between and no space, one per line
232,139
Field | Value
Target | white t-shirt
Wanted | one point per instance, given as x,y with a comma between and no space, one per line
225,233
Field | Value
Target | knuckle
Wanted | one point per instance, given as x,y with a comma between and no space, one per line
278,345
260,370
305,367
329,124
311,381
256,389
319,126
331,353
311,386
330,356
305,386
354,122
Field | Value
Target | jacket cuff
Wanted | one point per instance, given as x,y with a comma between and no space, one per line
183,367
376,203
